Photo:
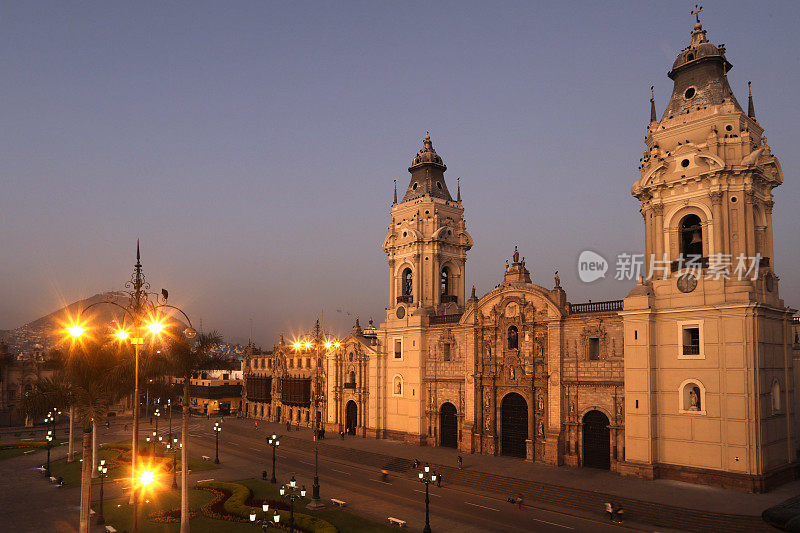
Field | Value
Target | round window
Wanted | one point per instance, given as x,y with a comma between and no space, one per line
734,199
728,128
689,93
685,163
404,234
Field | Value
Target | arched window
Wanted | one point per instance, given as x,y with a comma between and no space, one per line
408,282
775,396
691,237
352,377
513,338
445,281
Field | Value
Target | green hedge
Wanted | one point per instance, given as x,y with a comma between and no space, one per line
235,505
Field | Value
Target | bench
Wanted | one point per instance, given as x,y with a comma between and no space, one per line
340,503
29,452
110,529
396,522
205,458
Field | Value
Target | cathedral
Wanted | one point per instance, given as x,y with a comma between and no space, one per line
688,377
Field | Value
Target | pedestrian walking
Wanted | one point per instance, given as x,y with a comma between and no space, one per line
460,462
520,502
438,480
610,511
288,426
256,424
416,463
618,512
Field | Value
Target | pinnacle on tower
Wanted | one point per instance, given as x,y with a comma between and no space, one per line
653,105
458,197
751,110
395,192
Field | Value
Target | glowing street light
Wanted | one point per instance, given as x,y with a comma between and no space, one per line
76,330
155,327
122,334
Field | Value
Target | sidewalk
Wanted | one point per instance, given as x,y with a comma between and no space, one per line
660,502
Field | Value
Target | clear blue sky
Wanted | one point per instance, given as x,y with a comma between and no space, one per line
252,145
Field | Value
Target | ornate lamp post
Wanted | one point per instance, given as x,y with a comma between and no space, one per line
50,419
274,442
217,430
103,470
291,492
173,445
264,522
142,312
157,415
427,477
49,439
317,343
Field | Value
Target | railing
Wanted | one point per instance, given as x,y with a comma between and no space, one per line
406,298
349,385
444,319
692,262
596,307
448,298
691,349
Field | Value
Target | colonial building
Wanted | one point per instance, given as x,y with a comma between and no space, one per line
689,377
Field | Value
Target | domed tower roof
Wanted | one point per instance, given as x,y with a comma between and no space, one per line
700,76
427,174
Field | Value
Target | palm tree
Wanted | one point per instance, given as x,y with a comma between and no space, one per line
187,359
91,372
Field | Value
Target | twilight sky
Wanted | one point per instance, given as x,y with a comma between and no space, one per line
251,146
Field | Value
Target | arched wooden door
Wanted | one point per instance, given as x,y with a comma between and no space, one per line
351,417
514,425
448,426
596,441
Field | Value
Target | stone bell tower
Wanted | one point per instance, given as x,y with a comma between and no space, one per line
708,376
427,241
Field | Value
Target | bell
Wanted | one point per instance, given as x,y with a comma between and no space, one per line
697,237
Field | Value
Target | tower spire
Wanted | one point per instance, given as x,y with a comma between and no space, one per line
395,192
751,110
458,197
138,257
652,104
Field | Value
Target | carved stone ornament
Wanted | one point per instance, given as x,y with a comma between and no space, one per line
687,283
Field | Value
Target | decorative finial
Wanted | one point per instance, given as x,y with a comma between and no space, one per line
557,280
516,255
473,297
458,198
696,12
751,110
395,191
137,252
653,104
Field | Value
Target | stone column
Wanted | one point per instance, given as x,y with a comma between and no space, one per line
768,205
717,224
749,224
658,228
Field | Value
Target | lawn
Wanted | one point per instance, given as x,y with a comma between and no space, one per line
118,512
117,457
15,449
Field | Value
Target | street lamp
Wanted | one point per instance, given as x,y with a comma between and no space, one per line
217,429
274,442
103,470
141,311
174,447
264,522
146,478
49,438
427,476
158,415
291,492
319,342
147,438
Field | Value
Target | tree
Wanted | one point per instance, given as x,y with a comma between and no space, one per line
188,358
91,371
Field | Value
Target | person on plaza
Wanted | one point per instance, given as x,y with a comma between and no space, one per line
618,512
256,424
460,462
610,511
520,502
416,463
341,434
384,475
438,480
288,426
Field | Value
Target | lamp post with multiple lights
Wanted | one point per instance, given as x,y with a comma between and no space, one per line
291,492
145,479
317,343
142,312
102,469
427,476
50,419
274,442
264,523
217,430
173,445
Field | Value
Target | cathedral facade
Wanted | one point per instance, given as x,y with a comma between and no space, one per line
688,377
